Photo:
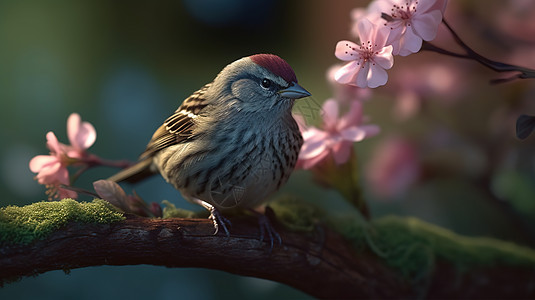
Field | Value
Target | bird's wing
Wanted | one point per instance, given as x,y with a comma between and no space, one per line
179,126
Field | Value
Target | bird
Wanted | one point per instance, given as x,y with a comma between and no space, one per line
232,143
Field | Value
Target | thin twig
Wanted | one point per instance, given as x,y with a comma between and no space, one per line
473,55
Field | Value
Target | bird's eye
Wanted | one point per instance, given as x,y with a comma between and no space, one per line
266,83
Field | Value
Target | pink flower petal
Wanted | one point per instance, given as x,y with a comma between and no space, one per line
330,113
82,135
312,149
423,6
49,170
73,127
342,152
361,79
396,31
53,144
396,45
345,50
370,130
347,73
440,5
352,118
353,134
377,76
377,7
63,176
366,31
410,42
87,135
309,163
313,134
426,25
49,174
384,58
41,161
381,36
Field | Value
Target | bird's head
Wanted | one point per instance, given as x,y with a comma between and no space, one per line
259,83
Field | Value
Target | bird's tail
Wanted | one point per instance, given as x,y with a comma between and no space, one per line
135,173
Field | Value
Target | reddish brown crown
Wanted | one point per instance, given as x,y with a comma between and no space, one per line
275,65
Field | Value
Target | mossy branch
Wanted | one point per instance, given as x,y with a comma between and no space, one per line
391,258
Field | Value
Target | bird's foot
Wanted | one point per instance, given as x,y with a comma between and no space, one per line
266,228
219,221
217,218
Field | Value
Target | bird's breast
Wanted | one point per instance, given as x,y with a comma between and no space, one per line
236,168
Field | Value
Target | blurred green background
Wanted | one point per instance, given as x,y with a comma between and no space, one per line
125,66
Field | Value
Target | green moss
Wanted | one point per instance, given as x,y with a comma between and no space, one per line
413,246
405,235
22,225
353,229
296,214
292,212
171,211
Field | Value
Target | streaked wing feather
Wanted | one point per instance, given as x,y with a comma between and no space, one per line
196,102
179,126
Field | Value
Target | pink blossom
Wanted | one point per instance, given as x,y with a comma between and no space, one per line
410,22
337,136
393,168
52,169
366,62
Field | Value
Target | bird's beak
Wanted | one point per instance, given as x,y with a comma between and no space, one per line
294,91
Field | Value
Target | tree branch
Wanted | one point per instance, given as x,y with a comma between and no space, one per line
321,263
473,55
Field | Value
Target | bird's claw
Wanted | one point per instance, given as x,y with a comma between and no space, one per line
219,221
217,218
266,228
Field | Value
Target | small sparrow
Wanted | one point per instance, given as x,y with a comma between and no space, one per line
232,143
